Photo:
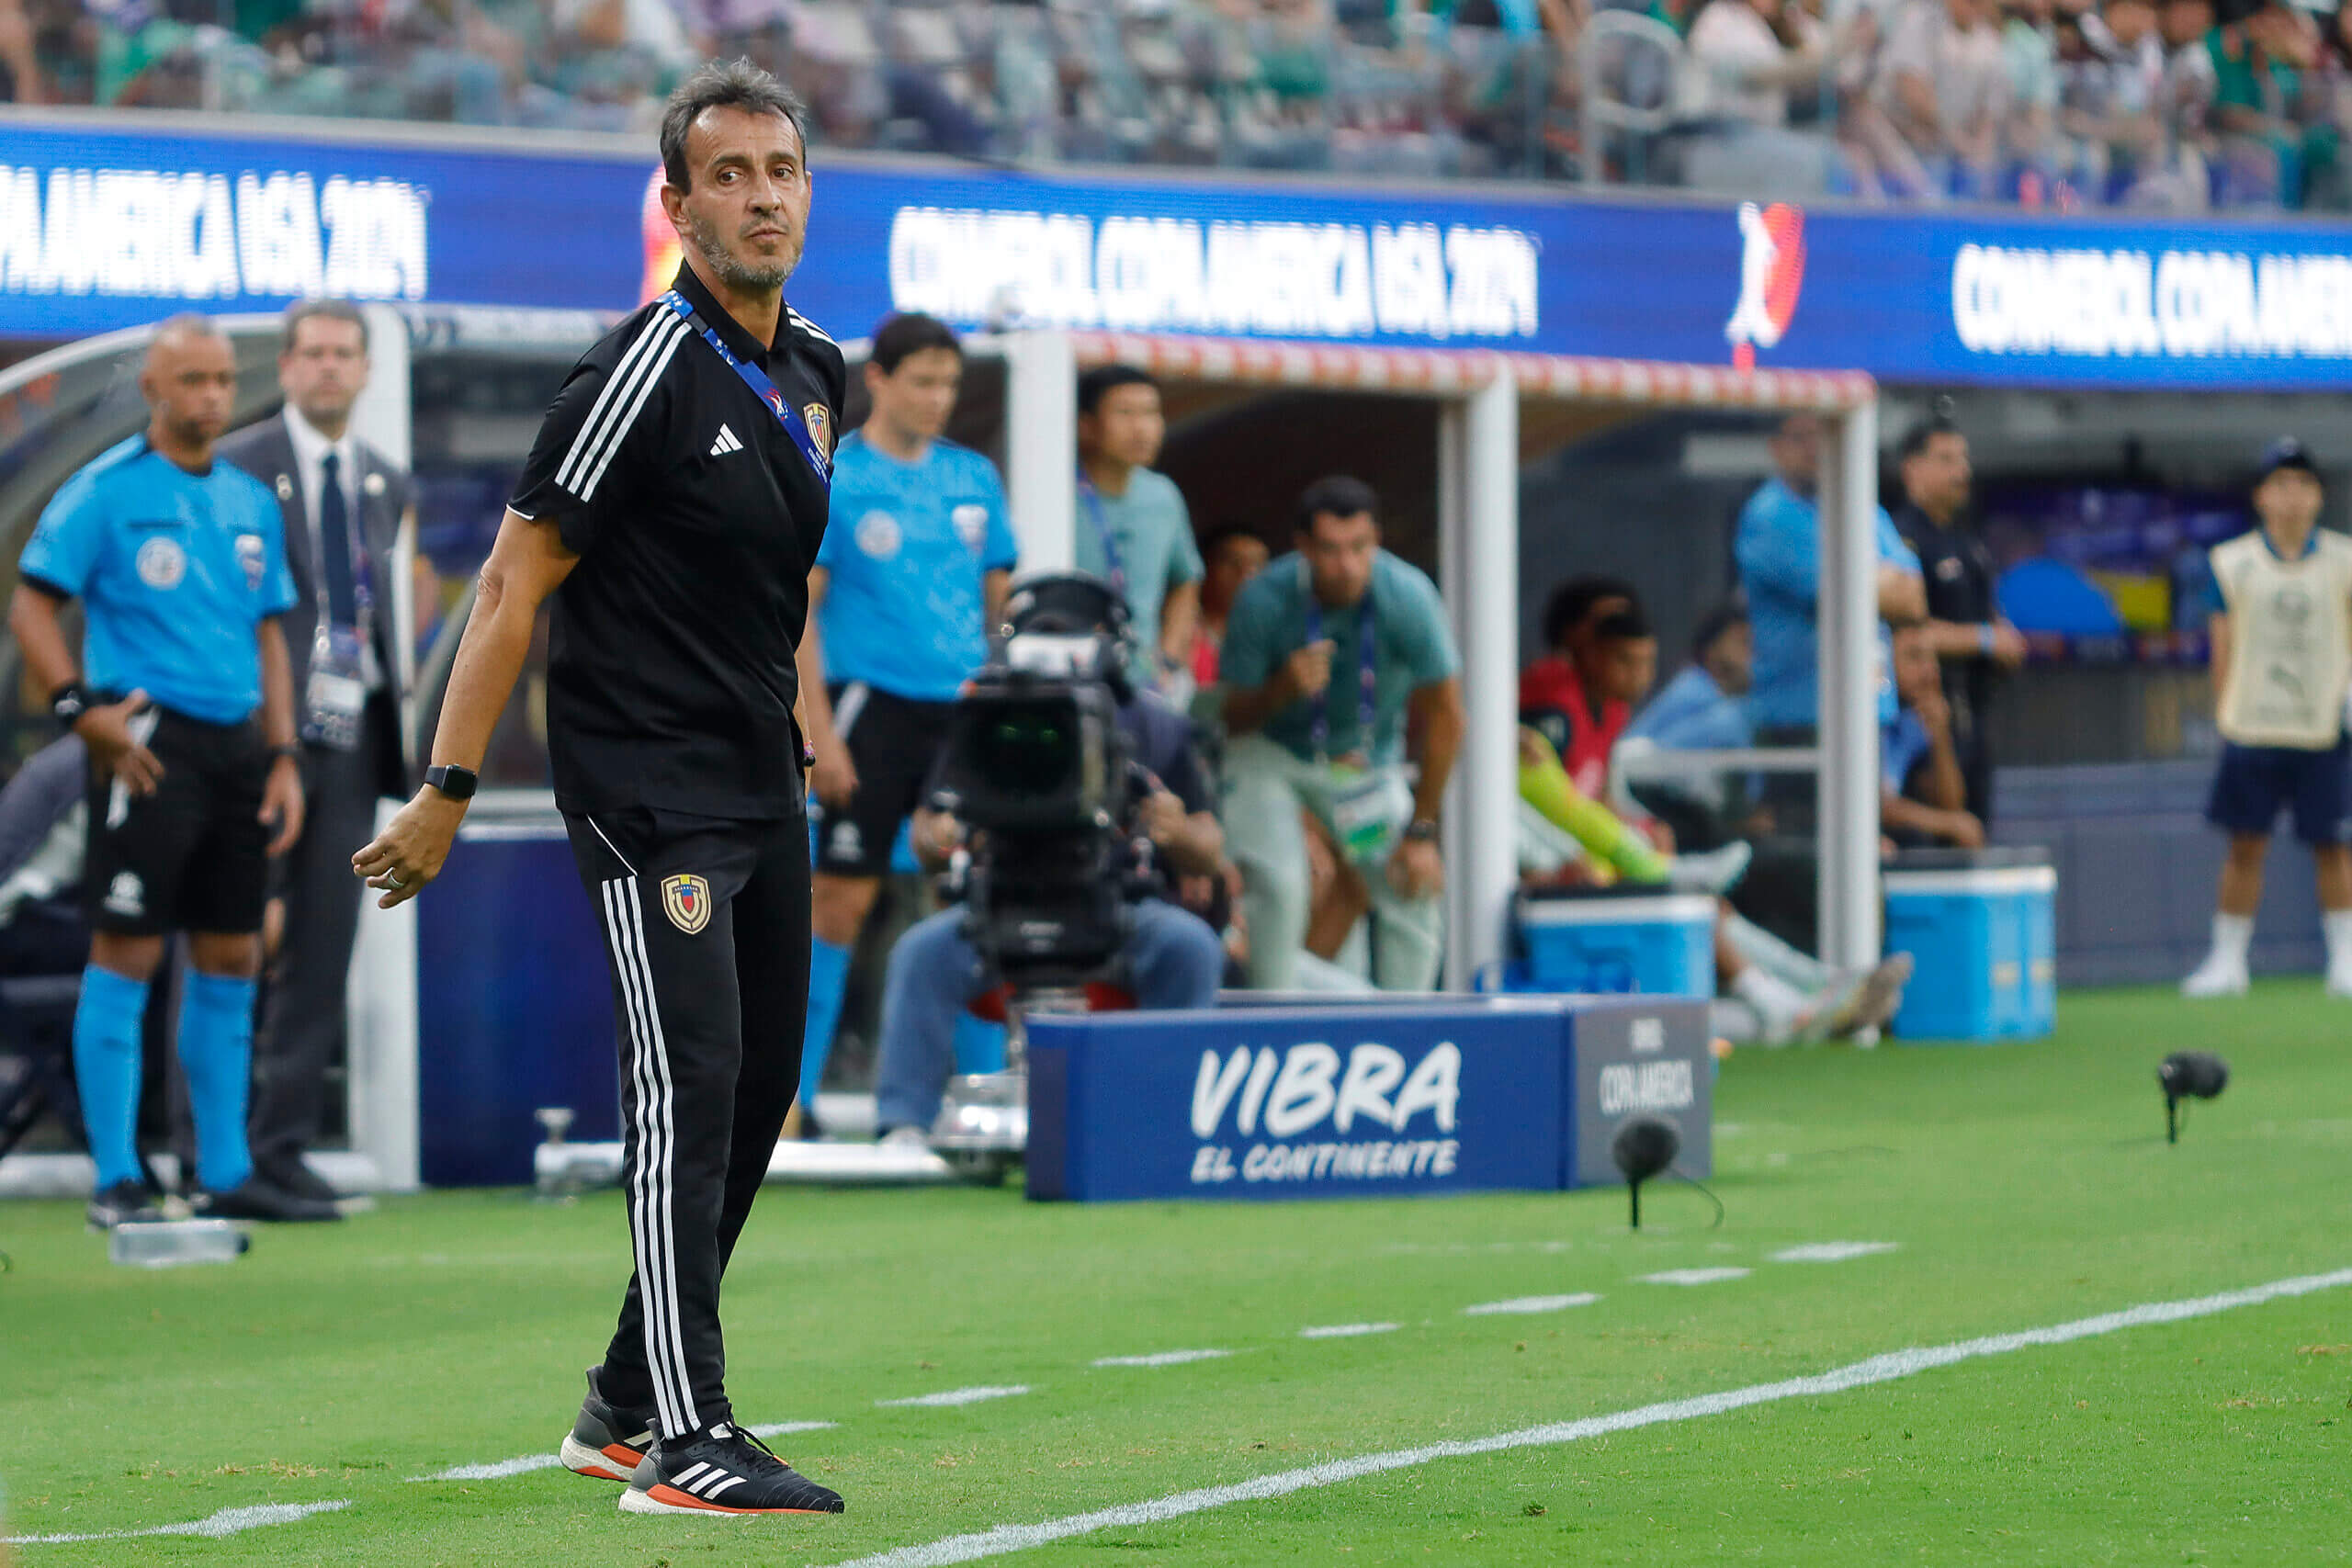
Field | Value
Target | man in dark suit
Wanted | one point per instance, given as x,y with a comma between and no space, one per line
343,505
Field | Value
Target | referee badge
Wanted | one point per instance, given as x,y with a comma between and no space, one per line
686,900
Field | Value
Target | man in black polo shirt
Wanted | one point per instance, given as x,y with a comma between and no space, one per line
672,506
1966,628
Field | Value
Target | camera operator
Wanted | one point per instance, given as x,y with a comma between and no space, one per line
1168,957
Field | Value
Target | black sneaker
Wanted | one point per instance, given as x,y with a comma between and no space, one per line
253,1199
124,1204
606,1440
295,1179
727,1471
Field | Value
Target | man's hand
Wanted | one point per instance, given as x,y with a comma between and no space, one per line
1416,869
409,852
1961,829
1163,817
118,753
281,804
1308,670
834,778
2009,644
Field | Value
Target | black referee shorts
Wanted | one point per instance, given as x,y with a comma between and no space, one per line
893,741
194,855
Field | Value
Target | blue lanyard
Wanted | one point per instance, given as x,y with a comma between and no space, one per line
757,380
1367,672
1113,567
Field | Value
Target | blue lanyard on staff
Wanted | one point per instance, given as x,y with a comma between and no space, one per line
1367,672
757,380
1112,567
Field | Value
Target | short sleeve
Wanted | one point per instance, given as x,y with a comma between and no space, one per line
1248,656
595,435
1429,641
1184,564
1002,552
277,582
837,542
1775,551
1894,549
64,550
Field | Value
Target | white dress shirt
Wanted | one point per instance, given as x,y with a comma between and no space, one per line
311,448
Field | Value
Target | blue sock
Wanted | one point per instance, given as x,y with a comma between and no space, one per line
828,978
106,1069
216,1052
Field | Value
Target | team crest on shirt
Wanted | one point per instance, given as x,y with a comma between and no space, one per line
254,558
878,534
820,426
686,900
971,521
161,564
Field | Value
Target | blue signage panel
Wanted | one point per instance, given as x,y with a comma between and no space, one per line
1281,1102
106,228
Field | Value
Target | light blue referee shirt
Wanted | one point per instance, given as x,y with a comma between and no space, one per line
906,550
176,570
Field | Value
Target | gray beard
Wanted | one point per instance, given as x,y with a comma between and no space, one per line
738,274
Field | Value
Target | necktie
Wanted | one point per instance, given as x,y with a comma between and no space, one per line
335,543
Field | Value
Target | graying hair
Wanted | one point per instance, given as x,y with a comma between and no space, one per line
733,83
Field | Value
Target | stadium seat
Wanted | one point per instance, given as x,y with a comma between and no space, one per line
37,1054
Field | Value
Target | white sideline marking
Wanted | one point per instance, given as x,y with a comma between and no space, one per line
500,1468
1887,1368
960,1395
1830,1251
1163,1358
1344,1330
228,1521
1693,1276
1532,1303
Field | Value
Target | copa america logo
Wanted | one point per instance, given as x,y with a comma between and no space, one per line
1772,275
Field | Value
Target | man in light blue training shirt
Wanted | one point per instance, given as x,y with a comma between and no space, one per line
185,702
1779,549
910,576
1134,530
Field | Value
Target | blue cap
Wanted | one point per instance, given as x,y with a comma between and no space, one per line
2287,453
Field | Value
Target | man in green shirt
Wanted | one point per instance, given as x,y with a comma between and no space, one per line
1133,530
1327,653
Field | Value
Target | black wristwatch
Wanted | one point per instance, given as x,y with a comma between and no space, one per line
1421,833
456,783
68,702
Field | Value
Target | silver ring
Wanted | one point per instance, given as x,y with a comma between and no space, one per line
392,879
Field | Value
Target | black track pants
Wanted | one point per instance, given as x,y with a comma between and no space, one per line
706,924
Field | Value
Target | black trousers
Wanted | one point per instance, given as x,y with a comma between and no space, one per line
707,928
305,1026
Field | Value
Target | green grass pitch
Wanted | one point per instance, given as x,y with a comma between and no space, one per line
2022,1186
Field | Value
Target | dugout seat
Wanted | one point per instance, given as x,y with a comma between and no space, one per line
36,1054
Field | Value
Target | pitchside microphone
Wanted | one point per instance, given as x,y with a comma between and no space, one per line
1644,1146
2189,1074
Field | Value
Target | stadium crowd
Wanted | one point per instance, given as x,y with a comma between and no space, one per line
2164,105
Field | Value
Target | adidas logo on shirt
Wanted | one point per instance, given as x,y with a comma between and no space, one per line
725,444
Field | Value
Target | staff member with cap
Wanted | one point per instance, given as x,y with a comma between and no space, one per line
344,503
179,560
2282,664
672,507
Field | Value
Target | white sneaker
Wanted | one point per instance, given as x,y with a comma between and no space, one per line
2218,977
905,1138
2339,980
1717,871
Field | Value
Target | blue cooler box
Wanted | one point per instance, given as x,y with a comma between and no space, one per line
1593,941
1984,940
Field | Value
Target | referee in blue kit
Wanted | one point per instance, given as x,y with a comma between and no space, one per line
179,558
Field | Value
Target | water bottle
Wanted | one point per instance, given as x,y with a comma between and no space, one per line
164,1243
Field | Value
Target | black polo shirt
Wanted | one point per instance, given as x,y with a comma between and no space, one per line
671,678
1961,582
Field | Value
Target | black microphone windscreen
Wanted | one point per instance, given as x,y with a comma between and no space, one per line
1645,1145
2193,1074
